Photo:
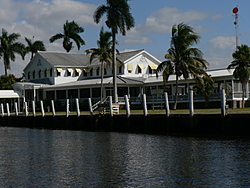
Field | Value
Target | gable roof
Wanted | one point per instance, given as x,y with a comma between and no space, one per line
63,59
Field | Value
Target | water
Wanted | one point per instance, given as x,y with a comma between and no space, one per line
56,158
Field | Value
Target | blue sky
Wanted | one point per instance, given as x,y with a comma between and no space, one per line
213,20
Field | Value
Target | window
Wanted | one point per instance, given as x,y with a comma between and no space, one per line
68,73
105,71
34,74
76,73
39,74
45,73
139,70
85,73
58,71
97,71
28,75
91,72
120,69
51,72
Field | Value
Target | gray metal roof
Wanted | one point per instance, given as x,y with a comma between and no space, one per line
79,59
65,59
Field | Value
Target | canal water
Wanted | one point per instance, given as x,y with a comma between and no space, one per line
59,158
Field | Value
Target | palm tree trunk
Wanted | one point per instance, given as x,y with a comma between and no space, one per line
114,68
102,71
176,93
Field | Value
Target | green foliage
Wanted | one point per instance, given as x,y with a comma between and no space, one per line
35,46
9,47
182,60
7,81
205,88
71,31
241,63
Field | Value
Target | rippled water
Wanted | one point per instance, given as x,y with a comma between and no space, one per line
56,158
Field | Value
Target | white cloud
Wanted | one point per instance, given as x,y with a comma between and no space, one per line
161,22
222,43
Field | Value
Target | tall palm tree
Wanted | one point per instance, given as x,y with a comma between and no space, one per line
34,46
71,31
182,60
9,47
118,18
241,63
103,52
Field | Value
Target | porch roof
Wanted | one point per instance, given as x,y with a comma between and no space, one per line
9,94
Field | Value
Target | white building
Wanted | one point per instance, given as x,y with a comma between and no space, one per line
60,76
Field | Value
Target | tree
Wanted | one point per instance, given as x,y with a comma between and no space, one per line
71,31
35,46
205,88
9,47
103,52
118,17
6,81
182,60
241,63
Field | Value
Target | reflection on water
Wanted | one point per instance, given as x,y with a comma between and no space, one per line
47,158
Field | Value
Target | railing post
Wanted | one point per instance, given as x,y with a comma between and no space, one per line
127,105
144,103
33,108
90,107
2,109
191,103
8,109
53,108
42,109
77,107
67,107
166,104
16,109
223,103
26,109
110,106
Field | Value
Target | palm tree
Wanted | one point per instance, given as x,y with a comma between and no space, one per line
9,47
182,60
205,88
118,17
35,46
241,63
103,52
71,31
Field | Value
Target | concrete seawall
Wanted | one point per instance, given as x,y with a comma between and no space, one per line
215,124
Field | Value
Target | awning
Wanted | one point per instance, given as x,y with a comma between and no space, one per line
59,69
130,67
70,69
8,94
152,66
78,70
141,66
87,69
